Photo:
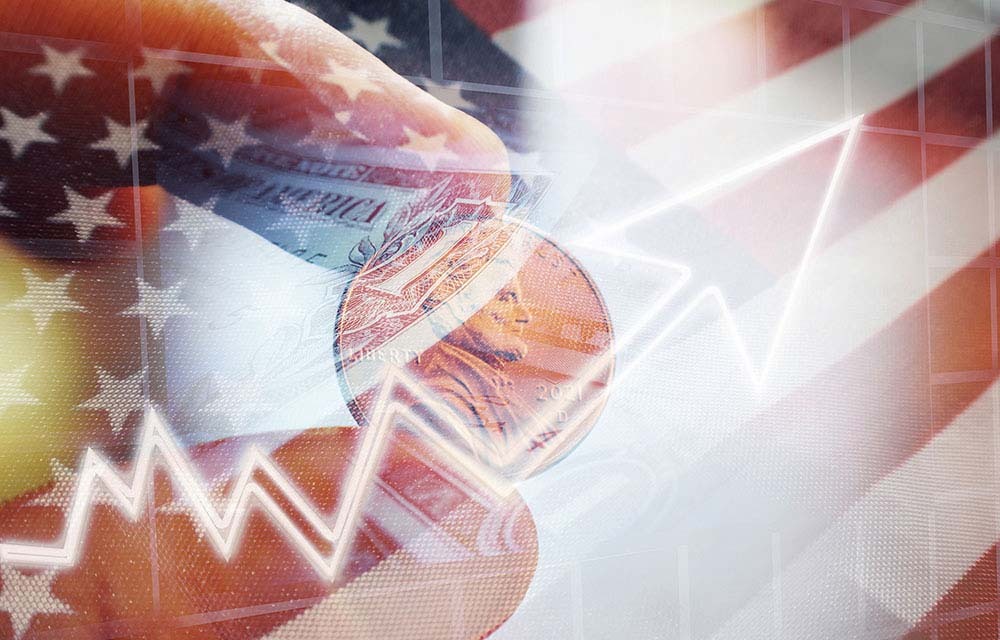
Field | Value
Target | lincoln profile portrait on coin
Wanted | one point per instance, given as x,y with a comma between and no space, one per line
465,368
505,341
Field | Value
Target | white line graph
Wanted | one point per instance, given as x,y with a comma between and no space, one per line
158,447
225,530
728,178
713,294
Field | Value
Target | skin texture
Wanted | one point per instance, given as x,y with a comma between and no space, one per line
62,361
111,592
384,590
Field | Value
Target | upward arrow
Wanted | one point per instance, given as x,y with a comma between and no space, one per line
601,240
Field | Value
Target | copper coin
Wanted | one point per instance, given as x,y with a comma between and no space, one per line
483,334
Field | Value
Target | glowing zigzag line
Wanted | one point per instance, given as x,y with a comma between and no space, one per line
710,293
225,530
757,376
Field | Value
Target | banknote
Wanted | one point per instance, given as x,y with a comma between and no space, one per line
279,242
346,531
424,256
232,479
332,211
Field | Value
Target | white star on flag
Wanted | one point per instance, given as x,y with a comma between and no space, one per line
19,132
158,305
86,214
119,142
12,390
372,35
119,398
351,81
158,70
251,50
193,220
61,66
321,129
63,488
227,137
45,298
24,597
430,149
449,94
271,50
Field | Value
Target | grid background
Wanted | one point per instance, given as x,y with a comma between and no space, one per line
973,293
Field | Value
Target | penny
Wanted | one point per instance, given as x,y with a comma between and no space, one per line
488,334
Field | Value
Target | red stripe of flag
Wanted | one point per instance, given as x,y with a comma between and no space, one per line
496,15
894,409
714,64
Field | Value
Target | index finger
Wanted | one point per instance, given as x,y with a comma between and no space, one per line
208,75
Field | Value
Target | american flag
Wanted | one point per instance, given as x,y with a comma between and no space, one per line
839,480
